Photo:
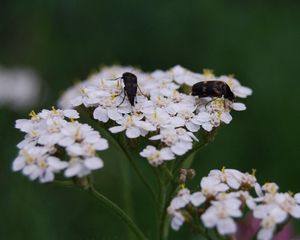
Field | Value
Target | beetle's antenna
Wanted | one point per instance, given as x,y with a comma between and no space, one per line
114,79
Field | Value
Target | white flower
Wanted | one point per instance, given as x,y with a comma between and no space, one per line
220,215
159,117
182,199
247,198
109,109
271,188
186,114
156,157
249,180
210,186
179,140
177,220
133,126
79,167
81,133
288,204
184,76
271,215
297,198
57,113
36,163
236,87
233,178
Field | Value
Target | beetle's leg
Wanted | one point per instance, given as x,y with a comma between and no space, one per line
118,94
122,100
123,97
208,103
141,91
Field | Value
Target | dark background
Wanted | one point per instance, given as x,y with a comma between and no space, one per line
64,41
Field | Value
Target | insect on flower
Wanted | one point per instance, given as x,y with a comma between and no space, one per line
130,86
212,89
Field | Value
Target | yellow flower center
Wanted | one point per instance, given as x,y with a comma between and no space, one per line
208,73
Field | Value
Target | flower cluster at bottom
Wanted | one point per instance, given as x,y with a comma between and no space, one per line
54,142
226,195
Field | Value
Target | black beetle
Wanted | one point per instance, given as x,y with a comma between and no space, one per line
212,89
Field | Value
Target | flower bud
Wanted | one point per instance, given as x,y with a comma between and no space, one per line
191,173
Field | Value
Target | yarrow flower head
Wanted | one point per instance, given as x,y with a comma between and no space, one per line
226,195
164,112
56,142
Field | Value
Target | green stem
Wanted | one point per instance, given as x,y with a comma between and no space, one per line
119,212
162,208
202,232
126,192
109,204
138,172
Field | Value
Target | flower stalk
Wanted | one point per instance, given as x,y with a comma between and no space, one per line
119,212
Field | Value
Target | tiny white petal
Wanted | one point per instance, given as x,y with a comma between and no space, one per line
70,113
56,163
101,114
73,170
116,129
226,117
93,163
238,106
133,132
197,199
226,226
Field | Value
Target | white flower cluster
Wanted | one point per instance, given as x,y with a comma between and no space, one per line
225,195
25,85
275,208
54,142
163,107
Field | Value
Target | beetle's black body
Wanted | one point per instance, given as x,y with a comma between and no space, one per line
130,86
212,89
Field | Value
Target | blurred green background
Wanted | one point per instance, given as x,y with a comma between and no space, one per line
258,41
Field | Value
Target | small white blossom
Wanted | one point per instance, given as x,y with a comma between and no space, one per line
179,140
220,215
210,186
133,126
35,162
156,157
177,219
236,87
233,178
271,215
